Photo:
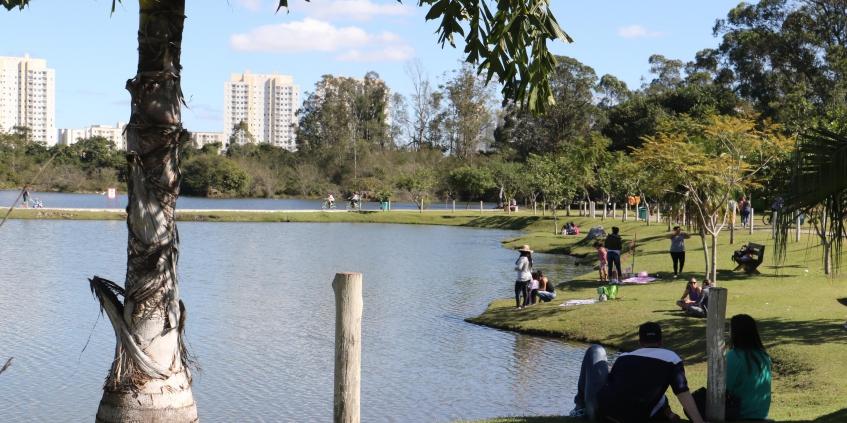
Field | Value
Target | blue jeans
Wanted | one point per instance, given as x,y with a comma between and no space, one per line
546,296
592,377
614,260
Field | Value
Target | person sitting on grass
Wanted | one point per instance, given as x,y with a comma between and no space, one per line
691,295
546,290
634,390
701,307
748,368
602,254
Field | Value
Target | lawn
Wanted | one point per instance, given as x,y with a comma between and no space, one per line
797,306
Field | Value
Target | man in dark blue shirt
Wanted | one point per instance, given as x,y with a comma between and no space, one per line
634,390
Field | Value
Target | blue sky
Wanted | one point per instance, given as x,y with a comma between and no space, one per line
95,53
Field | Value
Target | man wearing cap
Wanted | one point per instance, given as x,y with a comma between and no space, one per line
634,390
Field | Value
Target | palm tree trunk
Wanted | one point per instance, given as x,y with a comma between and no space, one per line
149,379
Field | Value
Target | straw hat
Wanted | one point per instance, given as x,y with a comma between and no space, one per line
525,248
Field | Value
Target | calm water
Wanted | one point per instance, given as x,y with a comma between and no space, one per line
96,201
261,322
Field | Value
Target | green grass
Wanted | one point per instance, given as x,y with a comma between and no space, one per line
795,304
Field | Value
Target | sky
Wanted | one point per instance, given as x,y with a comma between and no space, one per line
94,51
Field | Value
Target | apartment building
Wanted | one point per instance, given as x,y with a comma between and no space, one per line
263,105
28,97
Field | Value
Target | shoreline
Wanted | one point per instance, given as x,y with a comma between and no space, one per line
803,332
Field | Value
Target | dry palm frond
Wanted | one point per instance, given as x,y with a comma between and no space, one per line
6,366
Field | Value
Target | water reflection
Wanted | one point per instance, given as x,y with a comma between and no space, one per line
261,322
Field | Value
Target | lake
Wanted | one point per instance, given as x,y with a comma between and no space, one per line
261,322
97,201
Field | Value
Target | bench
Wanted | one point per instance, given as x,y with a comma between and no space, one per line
757,252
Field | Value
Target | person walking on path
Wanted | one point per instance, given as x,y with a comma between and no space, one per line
744,206
748,368
678,249
634,390
614,245
523,267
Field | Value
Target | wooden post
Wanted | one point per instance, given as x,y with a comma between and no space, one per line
751,220
389,205
614,210
593,206
658,213
715,339
534,208
454,206
733,205
605,210
480,206
797,230
773,223
348,346
626,211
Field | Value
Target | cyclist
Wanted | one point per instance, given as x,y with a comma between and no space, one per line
330,201
355,201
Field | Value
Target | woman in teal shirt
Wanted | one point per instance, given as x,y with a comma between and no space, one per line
748,368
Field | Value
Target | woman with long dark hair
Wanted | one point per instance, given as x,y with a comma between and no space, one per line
748,368
523,267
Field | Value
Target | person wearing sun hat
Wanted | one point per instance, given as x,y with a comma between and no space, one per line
634,390
523,267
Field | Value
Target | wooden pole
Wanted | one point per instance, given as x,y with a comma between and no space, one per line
605,210
454,206
593,207
773,223
751,220
480,206
614,210
625,211
348,346
715,339
658,213
732,223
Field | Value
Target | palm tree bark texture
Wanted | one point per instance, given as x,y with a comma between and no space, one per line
149,379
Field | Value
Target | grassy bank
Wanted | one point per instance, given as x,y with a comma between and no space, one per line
795,304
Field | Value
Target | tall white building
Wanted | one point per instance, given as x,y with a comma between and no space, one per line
28,97
267,106
116,134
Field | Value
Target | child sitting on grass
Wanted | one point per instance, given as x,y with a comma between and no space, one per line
602,254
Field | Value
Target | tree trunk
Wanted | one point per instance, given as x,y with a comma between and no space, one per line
713,268
827,258
555,222
705,249
149,379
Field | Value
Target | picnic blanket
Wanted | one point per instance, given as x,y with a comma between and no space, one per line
571,303
638,280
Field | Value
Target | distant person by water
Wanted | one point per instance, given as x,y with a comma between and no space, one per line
634,390
603,257
26,196
614,245
523,267
677,249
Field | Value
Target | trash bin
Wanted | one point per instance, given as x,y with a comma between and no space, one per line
642,213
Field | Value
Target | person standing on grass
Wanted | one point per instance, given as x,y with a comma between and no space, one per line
748,368
678,249
523,267
744,206
603,256
634,390
26,196
614,245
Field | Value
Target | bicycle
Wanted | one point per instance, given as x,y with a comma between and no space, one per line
354,205
327,205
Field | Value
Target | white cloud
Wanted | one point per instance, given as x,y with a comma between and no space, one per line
637,31
308,35
396,53
251,5
357,10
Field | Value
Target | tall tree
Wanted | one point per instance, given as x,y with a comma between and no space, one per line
789,57
470,119
149,379
711,160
